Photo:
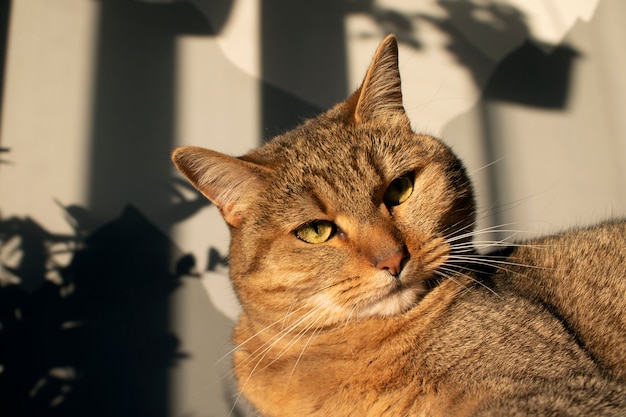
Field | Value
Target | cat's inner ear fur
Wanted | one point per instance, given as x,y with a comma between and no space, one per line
230,183
380,95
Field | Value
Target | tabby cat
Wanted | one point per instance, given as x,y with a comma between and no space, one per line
362,295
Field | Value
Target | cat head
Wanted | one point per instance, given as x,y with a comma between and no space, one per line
350,215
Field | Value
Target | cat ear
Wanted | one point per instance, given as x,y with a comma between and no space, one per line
380,95
230,183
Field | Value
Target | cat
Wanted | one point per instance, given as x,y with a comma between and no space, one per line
362,295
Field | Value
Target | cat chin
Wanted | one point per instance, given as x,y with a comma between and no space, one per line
402,294
398,301
396,297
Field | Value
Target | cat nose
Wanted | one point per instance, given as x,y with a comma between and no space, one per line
392,263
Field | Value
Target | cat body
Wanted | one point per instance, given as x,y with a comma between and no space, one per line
470,349
362,294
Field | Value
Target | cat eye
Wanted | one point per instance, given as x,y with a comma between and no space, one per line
318,231
398,191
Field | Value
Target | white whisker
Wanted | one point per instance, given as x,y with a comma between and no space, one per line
485,166
452,272
269,326
261,353
481,260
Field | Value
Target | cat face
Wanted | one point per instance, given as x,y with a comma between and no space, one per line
348,216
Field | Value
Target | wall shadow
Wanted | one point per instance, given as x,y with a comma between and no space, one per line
125,277
301,42
132,134
89,337
530,77
134,102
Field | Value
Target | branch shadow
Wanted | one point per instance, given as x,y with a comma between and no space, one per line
86,338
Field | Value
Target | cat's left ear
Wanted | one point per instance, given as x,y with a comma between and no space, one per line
230,183
380,95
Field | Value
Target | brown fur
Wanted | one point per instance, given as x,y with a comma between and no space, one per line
331,329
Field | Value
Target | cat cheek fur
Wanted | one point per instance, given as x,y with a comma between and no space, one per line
338,279
285,276
338,284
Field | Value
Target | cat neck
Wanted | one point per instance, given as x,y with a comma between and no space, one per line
347,338
274,367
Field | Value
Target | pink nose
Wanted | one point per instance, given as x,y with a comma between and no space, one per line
392,263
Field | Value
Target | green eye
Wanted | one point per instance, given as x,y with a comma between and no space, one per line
398,191
318,231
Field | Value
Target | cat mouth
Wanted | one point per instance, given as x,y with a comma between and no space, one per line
424,265
414,282
405,291
424,276
419,274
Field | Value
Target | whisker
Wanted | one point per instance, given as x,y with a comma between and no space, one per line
295,365
269,326
472,247
266,347
299,335
486,230
452,271
263,352
480,260
485,166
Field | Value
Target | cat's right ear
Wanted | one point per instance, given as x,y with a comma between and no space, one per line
230,183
